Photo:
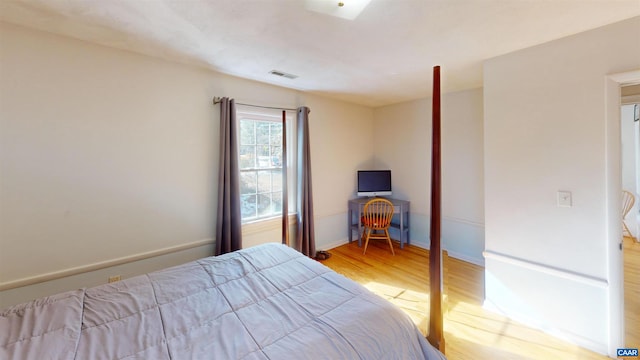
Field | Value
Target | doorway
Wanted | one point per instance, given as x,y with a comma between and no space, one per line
613,176
630,155
630,172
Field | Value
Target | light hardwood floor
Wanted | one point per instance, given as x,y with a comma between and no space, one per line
471,332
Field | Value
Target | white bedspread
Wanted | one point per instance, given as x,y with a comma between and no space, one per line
265,302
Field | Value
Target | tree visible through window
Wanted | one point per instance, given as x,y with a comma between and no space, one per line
260,167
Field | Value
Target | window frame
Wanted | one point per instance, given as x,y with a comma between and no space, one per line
275,116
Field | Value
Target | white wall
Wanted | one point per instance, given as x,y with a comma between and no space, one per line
108,156
340,146
104,154
546,130
402,138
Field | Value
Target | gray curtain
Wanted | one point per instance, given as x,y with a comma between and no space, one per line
229,222
305,239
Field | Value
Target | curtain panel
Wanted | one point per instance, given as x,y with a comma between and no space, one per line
229,221
305,237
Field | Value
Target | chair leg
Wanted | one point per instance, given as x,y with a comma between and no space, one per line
386,232
366,233
627,232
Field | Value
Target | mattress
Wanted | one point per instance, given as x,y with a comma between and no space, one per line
264,302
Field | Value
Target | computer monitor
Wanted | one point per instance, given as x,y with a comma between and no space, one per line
374,183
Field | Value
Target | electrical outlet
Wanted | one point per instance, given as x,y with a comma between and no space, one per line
115,278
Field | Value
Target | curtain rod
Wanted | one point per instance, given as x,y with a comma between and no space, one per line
217,99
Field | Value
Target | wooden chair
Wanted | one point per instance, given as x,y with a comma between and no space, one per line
627,203
376,220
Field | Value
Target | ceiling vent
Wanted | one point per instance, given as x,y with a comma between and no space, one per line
282,74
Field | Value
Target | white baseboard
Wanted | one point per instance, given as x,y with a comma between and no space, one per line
101,265
18,291
549,270
560,334
333,244
465,258
528,283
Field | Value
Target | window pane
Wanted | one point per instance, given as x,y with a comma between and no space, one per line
247,132
248,206
276,156
248,182
262,132
262,151
276,134
264,181
276,200
247,156
276,180
264,205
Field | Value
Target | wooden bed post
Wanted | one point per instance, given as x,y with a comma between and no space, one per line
285,187
436,334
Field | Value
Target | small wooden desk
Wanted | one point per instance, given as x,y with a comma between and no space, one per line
400,222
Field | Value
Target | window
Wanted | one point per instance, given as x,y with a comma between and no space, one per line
261,163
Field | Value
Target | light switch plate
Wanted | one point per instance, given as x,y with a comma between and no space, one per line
564,198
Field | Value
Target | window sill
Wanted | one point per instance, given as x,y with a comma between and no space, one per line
259,226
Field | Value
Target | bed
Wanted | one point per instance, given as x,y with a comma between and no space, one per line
264,302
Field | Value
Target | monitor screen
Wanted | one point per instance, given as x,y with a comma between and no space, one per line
374,182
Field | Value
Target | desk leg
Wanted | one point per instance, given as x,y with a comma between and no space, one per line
401,229
404,226
407,222
359,226
349,222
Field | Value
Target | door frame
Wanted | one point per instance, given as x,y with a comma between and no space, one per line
613,184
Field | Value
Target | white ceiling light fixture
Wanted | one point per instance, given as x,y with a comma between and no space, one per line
346,9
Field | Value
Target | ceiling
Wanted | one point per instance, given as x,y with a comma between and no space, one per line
383,56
